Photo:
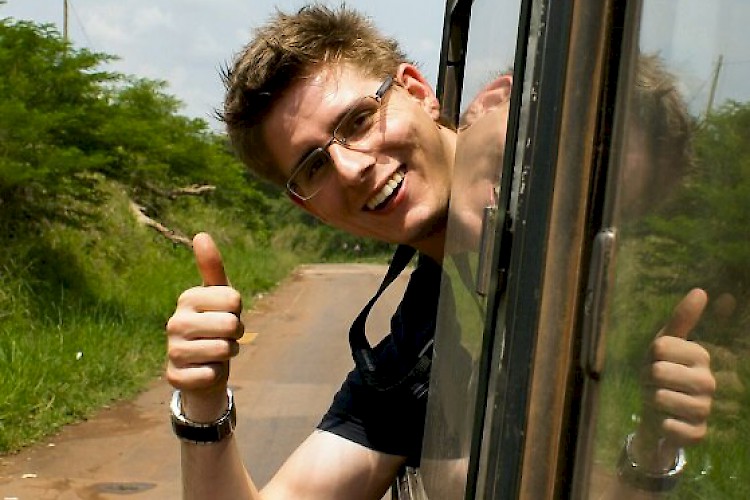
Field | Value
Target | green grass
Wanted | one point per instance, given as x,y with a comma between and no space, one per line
82,310
56,372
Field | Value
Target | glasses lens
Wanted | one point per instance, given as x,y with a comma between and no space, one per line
309,176
359,123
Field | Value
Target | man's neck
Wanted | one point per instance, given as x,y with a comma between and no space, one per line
433,246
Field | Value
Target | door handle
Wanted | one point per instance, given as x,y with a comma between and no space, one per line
596,302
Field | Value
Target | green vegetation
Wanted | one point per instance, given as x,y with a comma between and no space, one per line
699,239
85,289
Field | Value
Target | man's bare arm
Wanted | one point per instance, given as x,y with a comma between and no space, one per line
329,467
202,337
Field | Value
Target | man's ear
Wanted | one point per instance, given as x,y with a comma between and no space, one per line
493,95
498,91
304,205
419,88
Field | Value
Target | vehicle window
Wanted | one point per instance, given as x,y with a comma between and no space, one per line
680,206
484,107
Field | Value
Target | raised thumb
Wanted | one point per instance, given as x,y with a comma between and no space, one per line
208,260
686,314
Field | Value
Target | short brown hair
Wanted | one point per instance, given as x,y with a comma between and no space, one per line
660,106
660,125
287,48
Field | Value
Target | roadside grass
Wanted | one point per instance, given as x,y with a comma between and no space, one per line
56,371
82,311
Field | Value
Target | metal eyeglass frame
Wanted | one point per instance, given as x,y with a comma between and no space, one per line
378,96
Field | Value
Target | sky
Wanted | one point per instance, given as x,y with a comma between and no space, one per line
186,42
702,42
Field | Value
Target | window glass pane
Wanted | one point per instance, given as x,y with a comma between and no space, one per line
479,153
682,216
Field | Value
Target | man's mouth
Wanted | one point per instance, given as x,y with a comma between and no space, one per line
387,192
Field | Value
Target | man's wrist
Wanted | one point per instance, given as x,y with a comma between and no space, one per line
642,477
204,406
203,432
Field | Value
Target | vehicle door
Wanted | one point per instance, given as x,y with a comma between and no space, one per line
615,181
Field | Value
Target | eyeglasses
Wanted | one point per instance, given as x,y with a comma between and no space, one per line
353,131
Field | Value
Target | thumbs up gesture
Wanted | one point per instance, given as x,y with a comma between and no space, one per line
677,388
202,336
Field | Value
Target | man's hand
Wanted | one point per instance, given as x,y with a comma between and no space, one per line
677,386
202,336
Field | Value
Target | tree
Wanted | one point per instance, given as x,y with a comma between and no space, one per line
703,235
712,211
65,124
50,104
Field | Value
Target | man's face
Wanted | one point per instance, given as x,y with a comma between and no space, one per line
408,151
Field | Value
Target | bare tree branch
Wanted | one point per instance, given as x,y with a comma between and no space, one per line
192,190
170,234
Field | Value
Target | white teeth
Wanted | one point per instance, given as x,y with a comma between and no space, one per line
387,190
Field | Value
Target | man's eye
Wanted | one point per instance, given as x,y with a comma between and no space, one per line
315,166
357,125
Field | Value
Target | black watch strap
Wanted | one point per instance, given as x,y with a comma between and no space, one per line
202,433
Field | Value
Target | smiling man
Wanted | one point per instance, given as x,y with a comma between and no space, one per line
388,173
321,103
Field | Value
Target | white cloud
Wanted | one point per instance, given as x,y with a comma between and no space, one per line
185,42
205,44
148,19
104,28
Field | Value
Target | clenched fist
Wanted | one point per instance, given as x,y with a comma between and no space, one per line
677,387
202,336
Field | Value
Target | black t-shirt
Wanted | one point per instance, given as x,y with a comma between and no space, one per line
392,421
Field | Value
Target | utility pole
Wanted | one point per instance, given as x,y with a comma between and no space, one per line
714,84
65,21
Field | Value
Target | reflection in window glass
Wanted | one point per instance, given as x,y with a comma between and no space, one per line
491,47
479,153
683,213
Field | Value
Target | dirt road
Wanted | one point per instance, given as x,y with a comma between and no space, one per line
294,358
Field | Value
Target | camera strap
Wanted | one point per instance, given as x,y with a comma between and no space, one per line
364,357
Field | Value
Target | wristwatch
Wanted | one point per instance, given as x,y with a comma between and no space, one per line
200,433
635,475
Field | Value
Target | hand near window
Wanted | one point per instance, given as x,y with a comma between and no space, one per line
677,389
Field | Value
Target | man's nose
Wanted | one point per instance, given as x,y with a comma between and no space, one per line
351,165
